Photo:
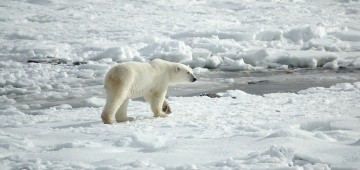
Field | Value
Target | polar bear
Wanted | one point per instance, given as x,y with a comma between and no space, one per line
149,80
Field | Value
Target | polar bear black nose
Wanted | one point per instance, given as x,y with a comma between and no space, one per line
194,79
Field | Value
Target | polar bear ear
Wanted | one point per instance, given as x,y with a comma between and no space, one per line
177,68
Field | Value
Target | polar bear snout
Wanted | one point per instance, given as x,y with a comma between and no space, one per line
192,77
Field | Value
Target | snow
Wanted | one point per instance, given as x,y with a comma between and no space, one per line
116,54
54,56
318,127
91,30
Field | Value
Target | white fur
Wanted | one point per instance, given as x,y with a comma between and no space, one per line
134,79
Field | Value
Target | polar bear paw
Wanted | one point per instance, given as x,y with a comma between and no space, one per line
161,115
128,119
166,109
106,119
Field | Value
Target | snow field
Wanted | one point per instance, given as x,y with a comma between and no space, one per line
317,128
50,111
228,35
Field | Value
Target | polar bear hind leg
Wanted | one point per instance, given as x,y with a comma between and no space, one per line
113,103
121,114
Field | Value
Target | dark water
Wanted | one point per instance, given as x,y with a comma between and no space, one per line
270,81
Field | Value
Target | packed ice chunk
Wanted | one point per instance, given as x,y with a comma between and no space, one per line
348,35
94,102
213,62
174,51
257,58
300,35
269,35
234,65
305,59
331,65
117,54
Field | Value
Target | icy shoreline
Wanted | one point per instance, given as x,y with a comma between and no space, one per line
264,82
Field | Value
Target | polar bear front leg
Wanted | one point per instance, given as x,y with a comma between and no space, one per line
156,100
166,107
121,113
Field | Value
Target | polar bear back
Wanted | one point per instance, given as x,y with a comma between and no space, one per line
138,78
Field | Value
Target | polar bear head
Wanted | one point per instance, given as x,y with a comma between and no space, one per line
178,73
182,74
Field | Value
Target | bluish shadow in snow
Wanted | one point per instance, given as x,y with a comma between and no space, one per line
77,125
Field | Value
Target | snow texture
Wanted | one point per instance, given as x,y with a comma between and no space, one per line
316,128
54,56
207,33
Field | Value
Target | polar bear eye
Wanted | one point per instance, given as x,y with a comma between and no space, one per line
188,72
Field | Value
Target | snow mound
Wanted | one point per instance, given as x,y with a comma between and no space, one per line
12,111
332,130
356,63
19,162
324,136
41,18
335,88
234,65
300,35
319,125
39,2
39,50
305,59
76,144
214,62
331,65
94,102
269,35
282,133
22,35
238,94
284,158
199,70
276,154
141,164
348,35
293,133
95,66
327,44
116,54
208,35
146,142
357,143
257,58
5,100
23,82
353,125
12,143
275,157
174,51
308,161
